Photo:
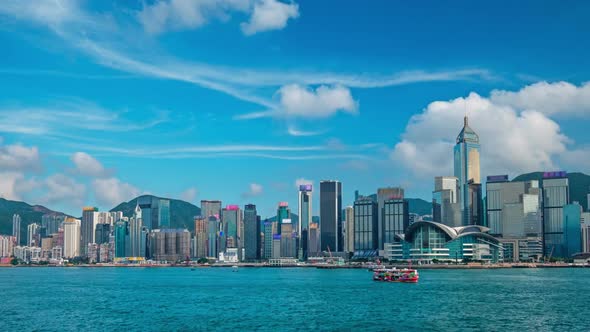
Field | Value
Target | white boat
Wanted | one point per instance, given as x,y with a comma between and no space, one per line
234,268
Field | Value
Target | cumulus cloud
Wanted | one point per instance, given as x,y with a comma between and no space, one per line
512,140
20,158
547,98
189,195
254,189
269,15
325,101
112,191
88,165
63,189
265,15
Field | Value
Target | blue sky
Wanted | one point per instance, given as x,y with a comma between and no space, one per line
239,100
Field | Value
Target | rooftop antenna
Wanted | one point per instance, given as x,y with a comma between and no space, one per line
465,122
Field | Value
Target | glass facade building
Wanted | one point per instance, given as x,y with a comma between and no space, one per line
467,171
445,204
89,220
251,233
331,235
283,212
555,195
305,215
210,208
385,194
163,213
572,230
366,225
396,219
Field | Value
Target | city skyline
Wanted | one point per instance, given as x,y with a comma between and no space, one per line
130,105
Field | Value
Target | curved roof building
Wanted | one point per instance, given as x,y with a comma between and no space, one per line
427,240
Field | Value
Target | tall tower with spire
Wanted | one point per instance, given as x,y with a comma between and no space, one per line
467,171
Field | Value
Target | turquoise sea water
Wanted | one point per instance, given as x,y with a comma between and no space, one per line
163,299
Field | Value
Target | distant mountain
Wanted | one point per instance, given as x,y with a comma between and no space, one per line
181,213
294,218
29,214
579,185
419,206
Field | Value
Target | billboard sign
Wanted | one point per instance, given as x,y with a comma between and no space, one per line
305,187
497,178
232,207
555,175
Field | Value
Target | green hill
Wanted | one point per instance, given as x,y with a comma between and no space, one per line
419,206
579,185
29,214
181,213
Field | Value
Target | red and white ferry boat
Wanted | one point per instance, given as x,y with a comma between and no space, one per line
395,275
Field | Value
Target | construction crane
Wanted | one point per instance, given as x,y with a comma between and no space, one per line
551,253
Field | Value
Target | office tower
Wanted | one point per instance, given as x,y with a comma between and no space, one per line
170,245
305,215
366,225
269,231
16,224
52,222
349,229
384,194
555,196
163,213
89,220
121,238
102,233
251,233
46,246
331,216
585,226
210,208
283,212
288,239
466,162
135,233
572,229
314,240
232,220
212,235
396,219
276,246
475,204
72,234
201,232
33,238
513,208
446,208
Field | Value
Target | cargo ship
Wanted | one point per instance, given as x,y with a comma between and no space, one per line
395,275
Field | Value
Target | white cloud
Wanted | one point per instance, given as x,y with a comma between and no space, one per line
9,185
88,165
548,98
270,15
189,194
325,101
111,191
512,141
63,189
20,158
296,132
254,189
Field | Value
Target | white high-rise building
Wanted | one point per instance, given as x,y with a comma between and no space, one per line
6,245
349,229
16,228
71,238
33,237
585,223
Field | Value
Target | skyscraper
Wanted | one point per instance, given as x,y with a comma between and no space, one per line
71,238
146,204
396,219
201,232
270,229
305,216
288,237
384,194
33,238
16,221
210,208
349,229
232,220
89,220
446,208
163,214
102,233
555,187
251,233
170,244
331,216
212,235
121,238
283,212
572,229
366,234
467,171
136,240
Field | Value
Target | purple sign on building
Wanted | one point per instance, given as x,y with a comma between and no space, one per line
305,187
276,237
555,175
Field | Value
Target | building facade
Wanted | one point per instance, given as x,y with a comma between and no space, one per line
89,220
555,195
384,194
349,229
331,235
366,227
72,235
396,219
251,233
16,228
446,208
170,245
305,218
467,171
